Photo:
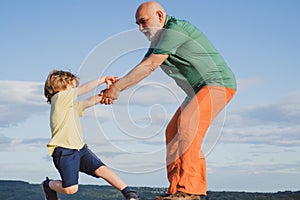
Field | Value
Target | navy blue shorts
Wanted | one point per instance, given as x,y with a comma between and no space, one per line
69,162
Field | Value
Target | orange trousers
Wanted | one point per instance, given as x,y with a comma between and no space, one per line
186,165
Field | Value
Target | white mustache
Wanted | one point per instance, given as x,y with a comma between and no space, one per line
145,31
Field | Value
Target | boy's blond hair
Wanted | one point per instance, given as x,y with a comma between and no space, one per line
58,80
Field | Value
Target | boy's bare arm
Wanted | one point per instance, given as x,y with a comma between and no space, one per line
89,102
89,86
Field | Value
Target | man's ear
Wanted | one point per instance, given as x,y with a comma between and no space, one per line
161,16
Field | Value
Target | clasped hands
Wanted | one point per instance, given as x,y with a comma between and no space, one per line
111,92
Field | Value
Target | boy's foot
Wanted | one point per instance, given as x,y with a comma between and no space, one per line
48,193
132,195
179,196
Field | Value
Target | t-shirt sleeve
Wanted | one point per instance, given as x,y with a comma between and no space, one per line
69,99
79,108
172,37
77,104
150,50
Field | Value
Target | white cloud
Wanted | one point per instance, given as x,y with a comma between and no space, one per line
19,100
246,83
5,142
151,92
21,92
152,103
277,123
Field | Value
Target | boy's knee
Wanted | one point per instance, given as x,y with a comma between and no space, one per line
101,171
71,190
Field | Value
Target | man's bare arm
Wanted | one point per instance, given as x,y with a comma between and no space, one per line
141,71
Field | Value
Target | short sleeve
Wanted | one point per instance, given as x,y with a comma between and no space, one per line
172,37
79,108
69,99
77,104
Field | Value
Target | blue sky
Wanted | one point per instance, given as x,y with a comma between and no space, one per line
254,145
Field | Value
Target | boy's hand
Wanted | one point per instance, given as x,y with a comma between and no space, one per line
109,95
105,100
109,80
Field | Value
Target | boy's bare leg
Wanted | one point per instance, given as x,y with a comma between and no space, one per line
56,185
111,177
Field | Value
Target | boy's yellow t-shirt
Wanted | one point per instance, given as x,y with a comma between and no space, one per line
65,121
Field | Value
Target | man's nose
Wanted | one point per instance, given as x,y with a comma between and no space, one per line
141,27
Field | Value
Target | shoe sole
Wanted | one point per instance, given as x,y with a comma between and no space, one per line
42,186
177,198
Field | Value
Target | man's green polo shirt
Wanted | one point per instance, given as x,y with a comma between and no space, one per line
193,62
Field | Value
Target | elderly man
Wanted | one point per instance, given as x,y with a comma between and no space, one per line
186,55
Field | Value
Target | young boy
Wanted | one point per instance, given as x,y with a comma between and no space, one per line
70,154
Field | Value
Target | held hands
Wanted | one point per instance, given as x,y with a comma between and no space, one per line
109,80
111,93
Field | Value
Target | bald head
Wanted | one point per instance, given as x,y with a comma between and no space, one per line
151,7
151,17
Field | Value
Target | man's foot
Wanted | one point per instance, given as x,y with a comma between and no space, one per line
48,193
179,196
162,197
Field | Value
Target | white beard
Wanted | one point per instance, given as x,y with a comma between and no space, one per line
151,33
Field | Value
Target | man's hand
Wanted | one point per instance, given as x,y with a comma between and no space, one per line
109,95
110,80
